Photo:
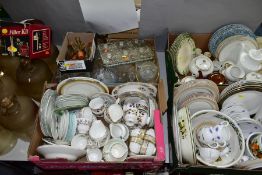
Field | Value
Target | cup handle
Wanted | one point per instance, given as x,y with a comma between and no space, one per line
214,145
224,143
225,123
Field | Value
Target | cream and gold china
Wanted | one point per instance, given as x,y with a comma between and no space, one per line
182,52
81,85
94,155
115,150
188,149
97,105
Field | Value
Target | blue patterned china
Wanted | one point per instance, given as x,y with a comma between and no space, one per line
228,31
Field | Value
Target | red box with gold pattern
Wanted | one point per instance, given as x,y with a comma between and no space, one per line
25,40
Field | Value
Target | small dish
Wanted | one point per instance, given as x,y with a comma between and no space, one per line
60,152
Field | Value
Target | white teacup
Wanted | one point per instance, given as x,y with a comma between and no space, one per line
130,117
119,130
143,118
86,112
135,145
98,131
94,155
83,125
221,132
147,148
97,105
234,73
142,105
129,106
209,155
114,113
79,141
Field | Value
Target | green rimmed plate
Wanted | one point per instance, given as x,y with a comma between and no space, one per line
182,52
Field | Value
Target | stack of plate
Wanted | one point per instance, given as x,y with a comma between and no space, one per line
46,109
70,101
229,36
196,95
182,52
248,93
146,89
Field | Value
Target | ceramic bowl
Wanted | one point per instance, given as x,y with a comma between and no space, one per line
236,144
250,148
60,151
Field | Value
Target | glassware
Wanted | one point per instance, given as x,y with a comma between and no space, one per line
31,76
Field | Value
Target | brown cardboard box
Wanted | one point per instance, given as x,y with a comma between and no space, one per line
132,164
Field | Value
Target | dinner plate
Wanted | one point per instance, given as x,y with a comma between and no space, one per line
251,99
249,126
186,138
144,88
231,51
182,52
195,87
176,134
238,38
81,85
60,152
227,31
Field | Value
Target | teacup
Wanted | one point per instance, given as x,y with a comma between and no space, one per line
98,131
216,136
83,125
209,155
147,148
94,155
142,105
115,150
137,132
234,73
221,132
252,145
86,112
119,130
97,105
150,136
254,76
130,117
129,106
114,113
142,118
79,141
135,145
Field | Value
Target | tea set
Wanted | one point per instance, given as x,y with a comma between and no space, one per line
100,125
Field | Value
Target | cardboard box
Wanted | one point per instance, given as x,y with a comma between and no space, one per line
25,40
66,63
151,164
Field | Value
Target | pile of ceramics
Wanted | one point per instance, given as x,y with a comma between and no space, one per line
81,118
234,55
225,138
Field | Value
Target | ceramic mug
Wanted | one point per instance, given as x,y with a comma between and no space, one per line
234,73
79,141
97,105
